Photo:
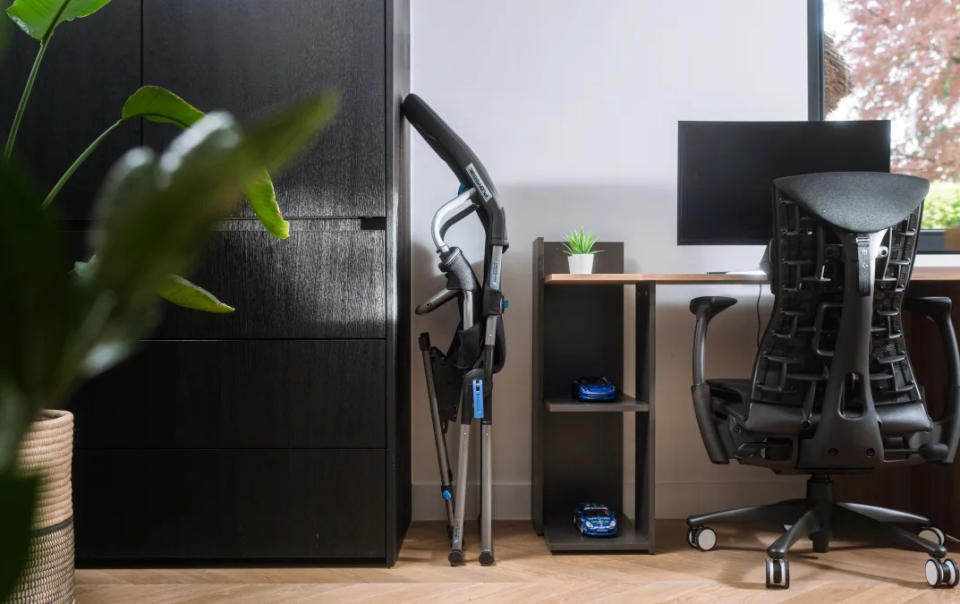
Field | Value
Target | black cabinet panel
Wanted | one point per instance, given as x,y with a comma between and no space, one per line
248,57
316,284
238,394
91,66
228,504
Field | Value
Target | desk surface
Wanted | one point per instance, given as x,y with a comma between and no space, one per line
919,274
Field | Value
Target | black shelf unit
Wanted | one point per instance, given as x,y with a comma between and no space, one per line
578,447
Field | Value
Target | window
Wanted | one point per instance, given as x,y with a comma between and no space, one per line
899,60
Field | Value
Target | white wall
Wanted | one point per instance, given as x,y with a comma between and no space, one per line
572,106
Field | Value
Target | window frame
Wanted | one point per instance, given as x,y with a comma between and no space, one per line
931,241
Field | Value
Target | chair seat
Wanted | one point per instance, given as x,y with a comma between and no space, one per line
731,398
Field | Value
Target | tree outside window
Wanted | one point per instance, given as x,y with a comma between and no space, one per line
900,60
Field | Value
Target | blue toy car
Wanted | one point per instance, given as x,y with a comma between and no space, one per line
594,388
595,520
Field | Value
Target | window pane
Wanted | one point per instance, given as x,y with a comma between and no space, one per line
900,60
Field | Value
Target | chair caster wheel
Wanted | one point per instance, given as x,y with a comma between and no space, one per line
941,574
486,558
455,558
702,538
932,533
777,572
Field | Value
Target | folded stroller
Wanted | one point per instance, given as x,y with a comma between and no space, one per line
460,380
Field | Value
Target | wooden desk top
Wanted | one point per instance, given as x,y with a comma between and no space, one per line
923,273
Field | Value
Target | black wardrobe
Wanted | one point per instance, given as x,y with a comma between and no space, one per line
281,431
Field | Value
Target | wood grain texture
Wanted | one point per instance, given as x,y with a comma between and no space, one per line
238,394
398,413
634,278
316,284
258,504
922,273
190,438
253,57
90,68
527,572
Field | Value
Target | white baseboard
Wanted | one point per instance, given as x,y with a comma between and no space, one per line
682,499
511,501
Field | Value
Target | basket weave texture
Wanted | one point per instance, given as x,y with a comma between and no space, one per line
47,451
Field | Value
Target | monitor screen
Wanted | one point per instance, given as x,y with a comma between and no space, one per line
726,170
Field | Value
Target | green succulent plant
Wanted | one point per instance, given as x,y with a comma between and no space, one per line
580,242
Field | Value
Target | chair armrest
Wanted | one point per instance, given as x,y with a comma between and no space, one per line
938,309
705,308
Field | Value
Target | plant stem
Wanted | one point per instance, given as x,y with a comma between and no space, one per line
22,107
77,162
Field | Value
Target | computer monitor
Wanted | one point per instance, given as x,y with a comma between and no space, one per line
726,170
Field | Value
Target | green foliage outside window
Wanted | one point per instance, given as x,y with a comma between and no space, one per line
942,207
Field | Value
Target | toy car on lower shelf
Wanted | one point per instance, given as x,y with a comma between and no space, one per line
594,388
595,520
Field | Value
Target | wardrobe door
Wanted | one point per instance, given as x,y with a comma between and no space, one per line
233,394
250,57
71,103
315,284
223,504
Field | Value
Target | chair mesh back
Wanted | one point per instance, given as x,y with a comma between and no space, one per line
794,359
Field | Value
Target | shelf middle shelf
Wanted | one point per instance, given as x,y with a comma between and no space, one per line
570,405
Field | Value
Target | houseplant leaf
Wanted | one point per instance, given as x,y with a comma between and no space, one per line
37,303
38,18
175,289
155,214
183,293
162,106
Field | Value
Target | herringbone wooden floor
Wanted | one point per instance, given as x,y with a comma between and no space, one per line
527,572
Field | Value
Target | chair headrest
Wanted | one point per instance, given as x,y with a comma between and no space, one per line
861,202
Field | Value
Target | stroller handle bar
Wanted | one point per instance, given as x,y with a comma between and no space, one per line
462,161
449,214
441,138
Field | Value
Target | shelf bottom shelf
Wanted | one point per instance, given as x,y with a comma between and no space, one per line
563,536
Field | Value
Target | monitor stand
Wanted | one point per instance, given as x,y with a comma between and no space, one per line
762,270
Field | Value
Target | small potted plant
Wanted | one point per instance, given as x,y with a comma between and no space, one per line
579,250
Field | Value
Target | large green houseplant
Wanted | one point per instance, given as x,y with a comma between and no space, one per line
153,217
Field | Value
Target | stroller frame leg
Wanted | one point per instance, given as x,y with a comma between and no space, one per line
486,495
443,458
460,499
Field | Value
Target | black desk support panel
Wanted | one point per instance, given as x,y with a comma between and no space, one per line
577,447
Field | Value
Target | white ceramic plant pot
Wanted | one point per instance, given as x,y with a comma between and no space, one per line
580,264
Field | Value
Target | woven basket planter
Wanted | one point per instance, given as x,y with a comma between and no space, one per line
47,451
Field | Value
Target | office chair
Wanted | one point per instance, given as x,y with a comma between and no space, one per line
833,391
460,380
